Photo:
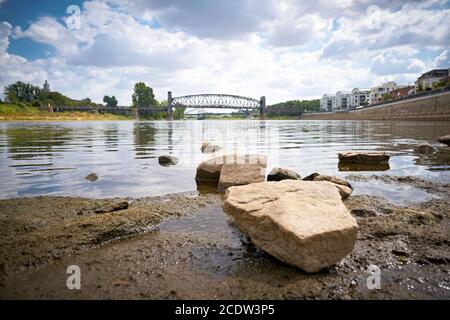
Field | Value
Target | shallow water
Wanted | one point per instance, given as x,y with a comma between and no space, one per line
53,158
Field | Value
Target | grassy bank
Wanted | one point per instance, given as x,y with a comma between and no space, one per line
12,112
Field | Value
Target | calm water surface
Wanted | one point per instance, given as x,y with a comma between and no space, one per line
53,158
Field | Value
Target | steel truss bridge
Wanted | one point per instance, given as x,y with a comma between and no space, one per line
221,101
216,101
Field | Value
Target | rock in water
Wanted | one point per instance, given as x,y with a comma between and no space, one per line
278,174
445,139
168,160
345,189
209,170
121,205
240,174
91,177
424,148
302,223
363,157
209,148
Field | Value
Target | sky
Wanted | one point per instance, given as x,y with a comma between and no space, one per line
281,49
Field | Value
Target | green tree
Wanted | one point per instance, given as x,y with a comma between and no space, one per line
387,96
178,113
143,96
110,101
22,92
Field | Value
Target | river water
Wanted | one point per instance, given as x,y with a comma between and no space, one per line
52,158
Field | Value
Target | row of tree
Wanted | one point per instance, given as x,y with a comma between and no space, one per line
26,93
294,107
21,93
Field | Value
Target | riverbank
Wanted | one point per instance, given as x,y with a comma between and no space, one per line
183,246
10,112
428,108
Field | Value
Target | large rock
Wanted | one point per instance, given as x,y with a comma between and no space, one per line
363,157
424,148
345,189
166,160
445,139
209,170
209,148
278,174
240,174
302,223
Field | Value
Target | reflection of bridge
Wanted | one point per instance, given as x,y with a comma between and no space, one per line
215,101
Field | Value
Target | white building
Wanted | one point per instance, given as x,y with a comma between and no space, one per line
359,98
326,103
342,101
429,78
377,93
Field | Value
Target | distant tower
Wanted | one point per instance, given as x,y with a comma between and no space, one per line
46,86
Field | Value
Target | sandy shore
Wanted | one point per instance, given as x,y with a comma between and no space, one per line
183,246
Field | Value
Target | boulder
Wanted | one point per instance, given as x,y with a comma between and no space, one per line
209,170
345,189
168,160
445,139
240,174
209,148
363,157
302,223
278,174
91,177
424,148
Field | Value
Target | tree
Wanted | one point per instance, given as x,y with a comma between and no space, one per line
110,101
22,92
387,96
178,113
143,96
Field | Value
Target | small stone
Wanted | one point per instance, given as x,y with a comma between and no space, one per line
445,139
278,174
363,157
166,160
424,148
121,205
91,177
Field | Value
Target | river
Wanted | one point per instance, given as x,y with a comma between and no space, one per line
52,158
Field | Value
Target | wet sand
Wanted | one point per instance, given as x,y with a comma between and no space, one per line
184,247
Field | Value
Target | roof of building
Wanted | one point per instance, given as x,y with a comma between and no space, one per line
434,73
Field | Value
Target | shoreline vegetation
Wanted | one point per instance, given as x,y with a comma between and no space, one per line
165,253
14,112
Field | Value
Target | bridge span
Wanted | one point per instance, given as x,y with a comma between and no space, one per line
196,101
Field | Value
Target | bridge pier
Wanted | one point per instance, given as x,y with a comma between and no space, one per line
169,106
262,108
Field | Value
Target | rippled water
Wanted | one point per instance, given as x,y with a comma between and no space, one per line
53,158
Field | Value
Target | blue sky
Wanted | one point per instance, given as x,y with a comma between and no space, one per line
286,49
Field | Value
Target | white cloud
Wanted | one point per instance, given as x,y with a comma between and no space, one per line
282,49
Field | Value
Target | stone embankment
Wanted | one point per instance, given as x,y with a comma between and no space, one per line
432,108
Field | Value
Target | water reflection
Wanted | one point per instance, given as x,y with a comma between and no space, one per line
144,140
363,166
53,158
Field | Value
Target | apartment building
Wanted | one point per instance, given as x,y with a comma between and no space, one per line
326,102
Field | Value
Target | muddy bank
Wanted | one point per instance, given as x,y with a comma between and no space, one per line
200,254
